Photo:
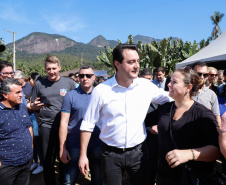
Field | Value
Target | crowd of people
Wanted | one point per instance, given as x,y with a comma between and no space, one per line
167,130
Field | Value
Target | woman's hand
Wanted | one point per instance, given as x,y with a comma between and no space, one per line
177,157
222,141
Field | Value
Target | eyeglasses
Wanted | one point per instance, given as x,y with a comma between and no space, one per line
204,74
87,75
7,74
213,75
76,76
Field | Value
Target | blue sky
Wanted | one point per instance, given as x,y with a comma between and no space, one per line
83,20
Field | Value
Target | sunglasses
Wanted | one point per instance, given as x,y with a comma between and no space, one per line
213,75
204,74
87,75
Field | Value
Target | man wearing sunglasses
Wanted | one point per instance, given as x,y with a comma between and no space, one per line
212,78
73,109
120,104
206,96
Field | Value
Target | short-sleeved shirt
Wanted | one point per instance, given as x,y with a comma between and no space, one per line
76,102
196,128
209,99
15,137
27,89
52,93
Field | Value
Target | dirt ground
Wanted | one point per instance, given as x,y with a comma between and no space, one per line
38,179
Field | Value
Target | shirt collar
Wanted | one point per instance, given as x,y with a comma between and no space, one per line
2,107
114,82
80,90
205,88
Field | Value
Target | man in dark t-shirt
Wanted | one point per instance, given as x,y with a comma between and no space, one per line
50,92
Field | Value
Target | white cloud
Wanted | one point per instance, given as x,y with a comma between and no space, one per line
64,23
13,13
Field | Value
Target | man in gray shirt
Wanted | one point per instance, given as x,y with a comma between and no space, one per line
51,92
206,96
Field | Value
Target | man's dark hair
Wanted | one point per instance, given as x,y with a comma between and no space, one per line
5,86
71,74
86,67
36,76
4,64
146,71
202,64
160,69
118,51
76,73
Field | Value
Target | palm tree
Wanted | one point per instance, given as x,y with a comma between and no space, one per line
216,18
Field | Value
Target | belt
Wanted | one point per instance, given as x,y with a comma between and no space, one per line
121,149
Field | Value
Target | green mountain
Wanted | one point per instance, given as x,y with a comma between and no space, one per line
144,39
32,50
37,43
100,42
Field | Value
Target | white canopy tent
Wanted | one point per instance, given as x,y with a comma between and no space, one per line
214,54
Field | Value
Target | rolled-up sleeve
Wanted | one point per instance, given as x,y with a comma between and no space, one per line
92,114
160,96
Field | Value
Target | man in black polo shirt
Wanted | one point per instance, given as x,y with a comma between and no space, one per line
15,135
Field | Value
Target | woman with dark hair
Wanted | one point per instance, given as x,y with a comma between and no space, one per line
38,168
187,134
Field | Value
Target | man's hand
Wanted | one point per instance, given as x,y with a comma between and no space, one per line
64,155
37,105
154,129
83,164
177,157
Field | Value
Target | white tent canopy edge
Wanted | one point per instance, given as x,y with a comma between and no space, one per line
214,52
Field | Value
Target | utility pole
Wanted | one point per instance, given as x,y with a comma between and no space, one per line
14,54
81,59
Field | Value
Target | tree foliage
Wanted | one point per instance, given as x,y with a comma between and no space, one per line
216,18
6,55
165,53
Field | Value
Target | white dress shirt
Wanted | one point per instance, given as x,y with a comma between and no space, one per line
121,111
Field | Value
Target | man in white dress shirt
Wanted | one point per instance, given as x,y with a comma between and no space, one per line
120,105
